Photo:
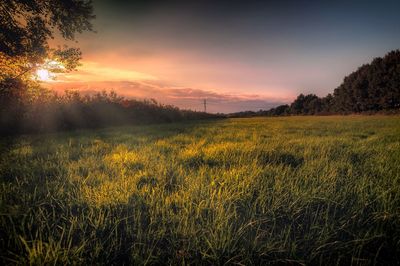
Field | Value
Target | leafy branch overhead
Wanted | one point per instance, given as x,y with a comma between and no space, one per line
26,27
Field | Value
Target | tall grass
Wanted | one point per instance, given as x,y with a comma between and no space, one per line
293,190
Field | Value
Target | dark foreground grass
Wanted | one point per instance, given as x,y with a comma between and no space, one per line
297,190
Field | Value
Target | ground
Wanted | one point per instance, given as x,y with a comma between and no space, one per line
291,190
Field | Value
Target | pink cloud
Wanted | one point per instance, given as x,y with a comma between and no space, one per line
183,97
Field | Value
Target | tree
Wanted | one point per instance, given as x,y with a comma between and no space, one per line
327,104
373,87
297,106
27,25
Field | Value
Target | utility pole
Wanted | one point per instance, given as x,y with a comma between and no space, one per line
205,106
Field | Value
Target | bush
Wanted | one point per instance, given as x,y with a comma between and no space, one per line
35,109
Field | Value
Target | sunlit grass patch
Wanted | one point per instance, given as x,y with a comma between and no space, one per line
42,253
120,158
192,154
25,150
108,192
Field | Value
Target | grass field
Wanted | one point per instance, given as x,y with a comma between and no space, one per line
294,190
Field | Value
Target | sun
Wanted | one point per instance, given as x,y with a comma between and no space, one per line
43,75
47,71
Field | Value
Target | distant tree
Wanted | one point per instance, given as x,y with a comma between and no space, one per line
312,105
282,109
327,104
372,87
306,104
297,105
279,110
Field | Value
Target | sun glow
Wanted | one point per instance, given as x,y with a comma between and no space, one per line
47,71
43,75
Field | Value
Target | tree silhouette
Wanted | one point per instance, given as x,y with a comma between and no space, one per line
27,25
372,87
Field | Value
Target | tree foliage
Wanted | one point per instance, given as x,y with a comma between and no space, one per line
372,88
26,27
41,110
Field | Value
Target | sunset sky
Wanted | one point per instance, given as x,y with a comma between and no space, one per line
239,55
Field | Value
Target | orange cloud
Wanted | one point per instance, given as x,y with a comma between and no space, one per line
183,97
92,71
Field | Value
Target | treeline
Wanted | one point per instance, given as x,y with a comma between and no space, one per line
374,87
35,109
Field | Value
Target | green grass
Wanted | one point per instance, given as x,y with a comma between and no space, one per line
294,190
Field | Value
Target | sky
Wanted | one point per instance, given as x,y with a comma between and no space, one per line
238,55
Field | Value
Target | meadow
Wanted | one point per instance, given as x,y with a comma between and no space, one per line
285,190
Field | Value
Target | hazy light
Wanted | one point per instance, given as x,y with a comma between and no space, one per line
43,75
54,65
46,71
91,72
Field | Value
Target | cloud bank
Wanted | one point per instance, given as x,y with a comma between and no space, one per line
182,97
